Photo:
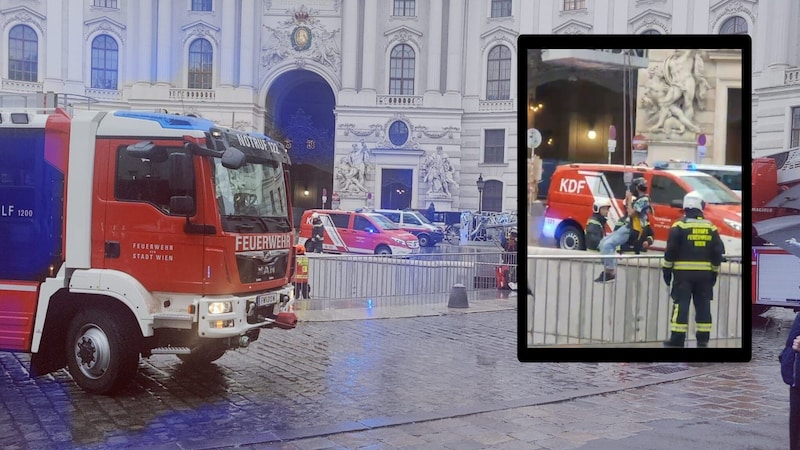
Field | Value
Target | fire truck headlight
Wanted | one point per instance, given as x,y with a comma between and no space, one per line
399,241
737,226
220,307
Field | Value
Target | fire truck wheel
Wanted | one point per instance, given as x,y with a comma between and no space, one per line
102,354
424,240
571,238
383,250
204,354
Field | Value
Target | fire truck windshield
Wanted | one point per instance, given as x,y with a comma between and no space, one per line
252,199
712,190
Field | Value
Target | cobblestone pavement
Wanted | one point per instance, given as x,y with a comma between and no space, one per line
444,381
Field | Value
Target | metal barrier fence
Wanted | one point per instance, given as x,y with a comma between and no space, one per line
567,307
352,277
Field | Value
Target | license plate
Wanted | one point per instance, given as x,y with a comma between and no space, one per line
266,299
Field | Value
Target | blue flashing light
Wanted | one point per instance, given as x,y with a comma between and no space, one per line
675,165
169,120
370,303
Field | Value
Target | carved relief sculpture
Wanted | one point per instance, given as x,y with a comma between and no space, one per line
300,36
438,173
352,169
672,92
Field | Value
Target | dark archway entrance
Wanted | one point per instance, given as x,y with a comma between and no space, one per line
300,108
396,188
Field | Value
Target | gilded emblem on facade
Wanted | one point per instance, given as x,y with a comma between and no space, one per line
301,38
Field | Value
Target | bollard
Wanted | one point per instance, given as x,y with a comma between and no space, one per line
458,297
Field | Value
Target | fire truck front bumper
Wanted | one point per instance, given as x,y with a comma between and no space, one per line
233,316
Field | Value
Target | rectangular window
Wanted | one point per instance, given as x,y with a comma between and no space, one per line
573,5
201,5
404,8
501,8
340,220
795,136
106,3
150,180
494,146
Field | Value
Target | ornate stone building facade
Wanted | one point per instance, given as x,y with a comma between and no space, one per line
408,83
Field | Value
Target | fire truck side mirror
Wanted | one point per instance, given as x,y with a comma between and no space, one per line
182,205
233,158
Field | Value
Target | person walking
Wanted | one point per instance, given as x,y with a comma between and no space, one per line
317,233
596,225
790,372
692,257
638,211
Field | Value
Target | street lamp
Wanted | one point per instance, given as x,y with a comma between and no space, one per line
480,183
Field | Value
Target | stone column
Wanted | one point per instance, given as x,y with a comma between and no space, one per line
779,14
227,41
370,39
455,45
55,33
144,42
473,54
434,47
164,60
74,38
247,39
349,42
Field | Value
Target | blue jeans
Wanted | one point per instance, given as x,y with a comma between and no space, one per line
608,245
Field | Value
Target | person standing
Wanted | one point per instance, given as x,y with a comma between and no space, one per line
638,210
317,233
692,257
596,225
790,372
300,278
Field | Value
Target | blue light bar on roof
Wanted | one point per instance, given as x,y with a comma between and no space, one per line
674,165
169,120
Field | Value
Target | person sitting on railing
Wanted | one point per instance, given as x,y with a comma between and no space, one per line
596,226
638,241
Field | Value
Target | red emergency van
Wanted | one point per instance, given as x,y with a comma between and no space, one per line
358,232
575,187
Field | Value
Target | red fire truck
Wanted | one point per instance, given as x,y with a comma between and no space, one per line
776,231
126,234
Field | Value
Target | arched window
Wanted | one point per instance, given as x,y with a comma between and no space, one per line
492,196
23,54
105,62
201,58
734,25
651,31
498,76
401,70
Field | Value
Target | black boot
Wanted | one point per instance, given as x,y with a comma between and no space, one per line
702,338
676,340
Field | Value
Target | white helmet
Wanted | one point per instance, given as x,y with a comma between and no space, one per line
599,204
314,215
693,200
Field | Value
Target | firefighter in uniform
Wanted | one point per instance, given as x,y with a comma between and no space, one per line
692,257
317,233
300,278
596,225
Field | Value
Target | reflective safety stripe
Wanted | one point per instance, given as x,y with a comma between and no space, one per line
667,264
703,224
704,327
594,221
674,325
715,268
692,265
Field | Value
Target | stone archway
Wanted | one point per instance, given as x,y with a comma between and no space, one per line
300,105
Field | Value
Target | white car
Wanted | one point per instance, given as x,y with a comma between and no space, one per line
730,176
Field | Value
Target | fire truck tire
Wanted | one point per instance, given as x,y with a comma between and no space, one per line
102,356
203,354
383,250
571,238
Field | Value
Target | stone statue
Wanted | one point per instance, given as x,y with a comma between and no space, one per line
353,167
348,178
438,172
671,92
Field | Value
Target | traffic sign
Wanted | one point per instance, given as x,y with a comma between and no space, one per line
534,138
